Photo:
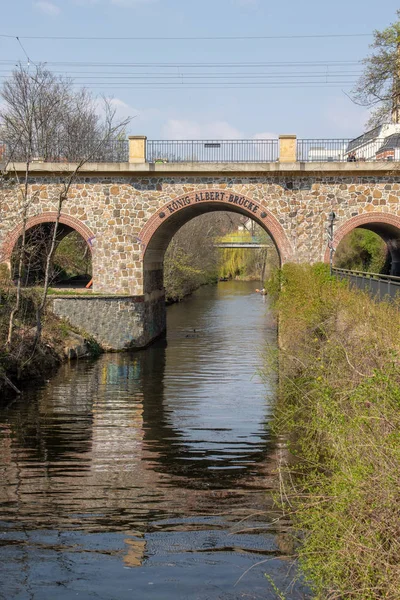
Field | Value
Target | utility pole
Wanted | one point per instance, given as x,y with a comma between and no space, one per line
331,219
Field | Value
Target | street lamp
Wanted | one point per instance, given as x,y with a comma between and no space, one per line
331,219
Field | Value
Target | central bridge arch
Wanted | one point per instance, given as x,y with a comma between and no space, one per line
162,226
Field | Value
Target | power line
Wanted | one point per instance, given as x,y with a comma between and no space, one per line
334,74
23,50
180,80
116,74
205,88
179,84
186,76
187,38
192,65
218,85
324,71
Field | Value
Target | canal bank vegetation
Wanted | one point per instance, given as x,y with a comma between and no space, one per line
339,407
191,259
25,359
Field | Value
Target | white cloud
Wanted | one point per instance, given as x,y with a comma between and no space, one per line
129,3
123,3
48,8
247,3
345,118
185,129
265,135
122,109
125,110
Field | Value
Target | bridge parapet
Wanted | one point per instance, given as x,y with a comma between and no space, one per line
138,150
306,169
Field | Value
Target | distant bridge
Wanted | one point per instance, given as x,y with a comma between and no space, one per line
242,242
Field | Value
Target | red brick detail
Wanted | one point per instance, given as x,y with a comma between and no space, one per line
364,219
47,217
216,196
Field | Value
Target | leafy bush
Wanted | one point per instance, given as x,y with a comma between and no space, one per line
180,277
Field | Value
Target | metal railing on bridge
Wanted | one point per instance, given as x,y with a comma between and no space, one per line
342,150
212,151
378,285
322,150
362,149
67,150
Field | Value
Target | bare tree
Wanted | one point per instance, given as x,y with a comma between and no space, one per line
379,85
43,116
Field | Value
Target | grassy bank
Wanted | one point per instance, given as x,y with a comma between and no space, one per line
339,406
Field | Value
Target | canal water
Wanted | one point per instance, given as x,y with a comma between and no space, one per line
150,475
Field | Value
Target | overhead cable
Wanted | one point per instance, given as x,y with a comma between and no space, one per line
187,38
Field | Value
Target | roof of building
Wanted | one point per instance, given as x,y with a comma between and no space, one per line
390,143
365,137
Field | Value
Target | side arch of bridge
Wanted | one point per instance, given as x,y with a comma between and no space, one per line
386,225
41,219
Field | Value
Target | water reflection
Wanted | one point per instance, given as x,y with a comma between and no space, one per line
147,461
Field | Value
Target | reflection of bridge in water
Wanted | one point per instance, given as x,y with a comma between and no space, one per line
139,427
149,460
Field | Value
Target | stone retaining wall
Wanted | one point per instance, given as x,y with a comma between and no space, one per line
115,322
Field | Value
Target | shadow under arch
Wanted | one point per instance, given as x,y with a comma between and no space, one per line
38,235
162,226
386,225
67,224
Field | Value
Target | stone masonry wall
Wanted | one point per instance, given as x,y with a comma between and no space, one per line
114,210
116,323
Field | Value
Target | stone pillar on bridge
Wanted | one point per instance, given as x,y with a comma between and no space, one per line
137,149
287,148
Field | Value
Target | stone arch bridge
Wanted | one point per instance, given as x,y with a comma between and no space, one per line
128,213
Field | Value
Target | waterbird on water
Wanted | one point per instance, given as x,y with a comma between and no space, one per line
192,335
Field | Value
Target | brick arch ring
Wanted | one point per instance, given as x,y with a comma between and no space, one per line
360,220
47,217
239,203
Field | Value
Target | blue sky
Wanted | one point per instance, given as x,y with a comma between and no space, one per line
212,108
